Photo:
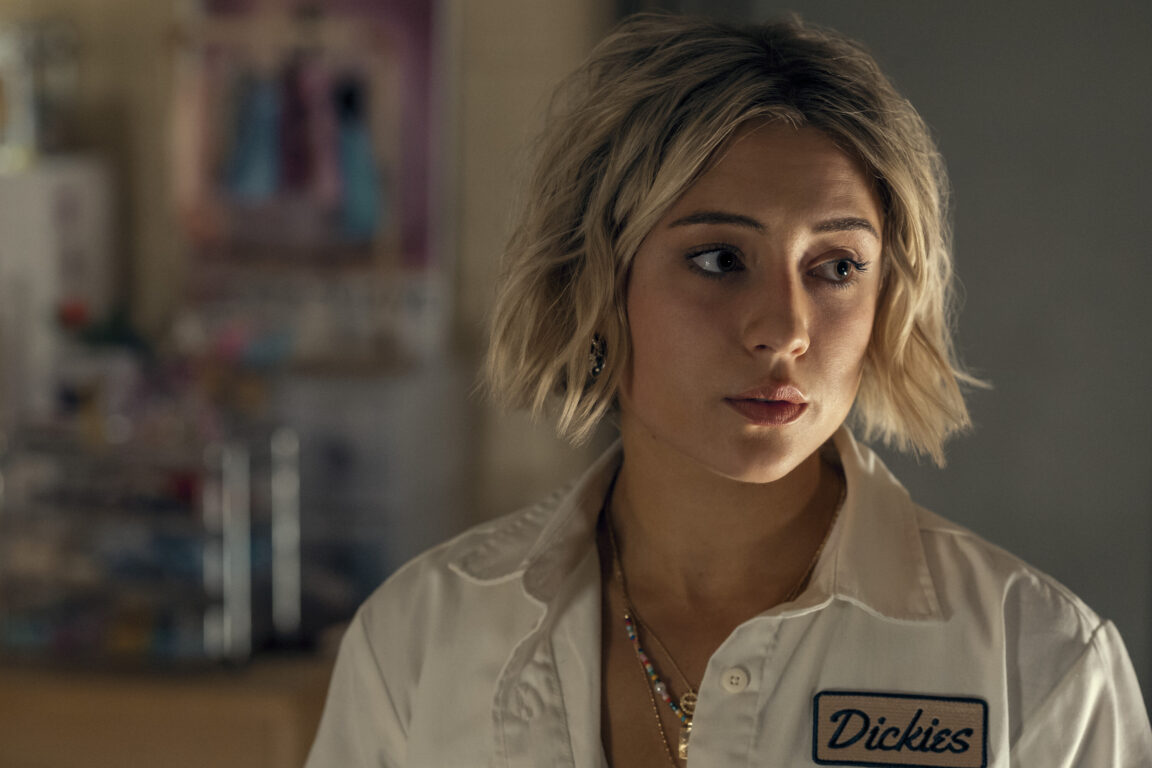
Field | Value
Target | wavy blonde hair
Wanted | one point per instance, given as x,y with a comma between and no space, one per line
633,128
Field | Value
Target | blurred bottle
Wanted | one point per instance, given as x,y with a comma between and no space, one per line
360,214
39,75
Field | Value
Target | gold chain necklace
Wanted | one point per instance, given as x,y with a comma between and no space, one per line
654,684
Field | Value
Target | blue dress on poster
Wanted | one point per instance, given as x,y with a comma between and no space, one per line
360,205
253,173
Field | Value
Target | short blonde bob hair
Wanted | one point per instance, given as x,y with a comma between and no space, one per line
633,128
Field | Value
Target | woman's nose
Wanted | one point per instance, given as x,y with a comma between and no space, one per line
776,319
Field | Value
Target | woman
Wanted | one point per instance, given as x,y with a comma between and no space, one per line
734,242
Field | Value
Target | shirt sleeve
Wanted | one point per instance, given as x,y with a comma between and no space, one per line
1093,718
361,726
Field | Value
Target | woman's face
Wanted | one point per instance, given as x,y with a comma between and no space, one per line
750,305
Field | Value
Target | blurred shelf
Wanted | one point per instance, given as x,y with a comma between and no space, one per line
261,716
318,262
126,550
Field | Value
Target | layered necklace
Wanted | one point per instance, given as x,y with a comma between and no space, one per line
684,707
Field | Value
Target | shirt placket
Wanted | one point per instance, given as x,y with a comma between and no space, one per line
736,684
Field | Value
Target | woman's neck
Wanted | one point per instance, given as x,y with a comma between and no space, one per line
693,540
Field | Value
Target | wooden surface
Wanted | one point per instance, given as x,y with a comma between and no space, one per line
261,716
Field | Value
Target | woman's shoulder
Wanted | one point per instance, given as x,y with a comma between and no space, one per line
926,554
427,644
537,542
487,553
1070,683
1043,621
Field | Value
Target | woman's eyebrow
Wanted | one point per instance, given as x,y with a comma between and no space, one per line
847,224
843,224
719,217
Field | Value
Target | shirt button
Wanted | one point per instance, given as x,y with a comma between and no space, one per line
528,702
734,680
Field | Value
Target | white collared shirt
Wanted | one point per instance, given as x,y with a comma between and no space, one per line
915,643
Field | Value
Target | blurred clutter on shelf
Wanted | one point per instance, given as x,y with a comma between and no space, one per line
246,253
241,479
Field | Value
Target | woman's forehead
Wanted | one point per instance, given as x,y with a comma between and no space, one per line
777,165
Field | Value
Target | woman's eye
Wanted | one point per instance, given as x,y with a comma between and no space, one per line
840,270
716,261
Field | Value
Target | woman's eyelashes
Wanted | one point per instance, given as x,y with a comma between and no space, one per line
840,272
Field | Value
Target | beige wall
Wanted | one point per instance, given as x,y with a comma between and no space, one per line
510,55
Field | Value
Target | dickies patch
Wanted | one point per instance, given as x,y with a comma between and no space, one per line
883,729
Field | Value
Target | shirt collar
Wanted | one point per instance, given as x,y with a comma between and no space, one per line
543,543
874,556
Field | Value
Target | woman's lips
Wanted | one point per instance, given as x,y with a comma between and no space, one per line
767,412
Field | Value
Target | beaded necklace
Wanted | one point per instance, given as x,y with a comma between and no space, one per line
686,708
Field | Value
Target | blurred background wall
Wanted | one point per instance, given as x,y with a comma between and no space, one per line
1039,108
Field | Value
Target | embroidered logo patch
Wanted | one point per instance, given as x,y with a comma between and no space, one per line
883,729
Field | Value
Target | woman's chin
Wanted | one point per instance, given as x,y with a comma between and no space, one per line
760,467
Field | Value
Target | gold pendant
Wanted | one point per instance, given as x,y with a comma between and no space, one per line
688,703
685,734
